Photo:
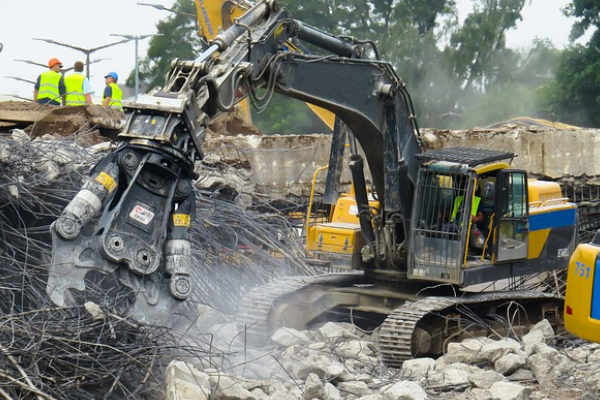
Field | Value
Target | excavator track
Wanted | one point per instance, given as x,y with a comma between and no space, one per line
397,331
400,336
254,313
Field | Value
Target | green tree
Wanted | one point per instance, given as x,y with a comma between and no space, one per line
177,38
513,92
406,33
481,42
574,96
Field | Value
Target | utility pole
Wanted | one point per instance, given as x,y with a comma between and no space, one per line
87,52
135,38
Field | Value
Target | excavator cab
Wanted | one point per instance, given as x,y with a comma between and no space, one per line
522,224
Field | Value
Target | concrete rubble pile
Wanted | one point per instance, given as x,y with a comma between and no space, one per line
41,119
337,361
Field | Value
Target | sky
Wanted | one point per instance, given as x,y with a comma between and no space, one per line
89,23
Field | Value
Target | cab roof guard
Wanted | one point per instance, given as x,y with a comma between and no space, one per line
466,155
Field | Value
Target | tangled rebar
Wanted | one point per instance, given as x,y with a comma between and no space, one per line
51,353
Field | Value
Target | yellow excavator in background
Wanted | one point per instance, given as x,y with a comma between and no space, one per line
214,16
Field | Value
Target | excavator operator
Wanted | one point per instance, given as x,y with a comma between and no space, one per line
476,211
478,230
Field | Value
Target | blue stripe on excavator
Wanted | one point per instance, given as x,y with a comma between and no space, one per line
595,314
554,219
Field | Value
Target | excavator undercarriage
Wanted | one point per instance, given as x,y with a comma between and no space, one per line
414,320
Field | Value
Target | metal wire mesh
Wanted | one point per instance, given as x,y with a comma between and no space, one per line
46,352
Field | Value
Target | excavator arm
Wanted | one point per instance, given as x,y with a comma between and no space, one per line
217,15
133,217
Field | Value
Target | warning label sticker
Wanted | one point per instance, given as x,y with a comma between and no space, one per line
141,214
182,220
107,181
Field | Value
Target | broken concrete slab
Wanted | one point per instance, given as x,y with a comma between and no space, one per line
92,122
545,152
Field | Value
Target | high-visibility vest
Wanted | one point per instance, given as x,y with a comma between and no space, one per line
115,99
458,201
49,82
74,86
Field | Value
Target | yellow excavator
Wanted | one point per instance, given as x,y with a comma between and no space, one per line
339,242
214,16
582,299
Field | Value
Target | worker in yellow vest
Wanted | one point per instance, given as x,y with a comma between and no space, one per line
50,85
112,94
476,210
79,90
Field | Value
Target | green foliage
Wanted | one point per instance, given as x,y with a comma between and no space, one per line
480,43
574,95
286,116
518,77
177,38
460,74
587,13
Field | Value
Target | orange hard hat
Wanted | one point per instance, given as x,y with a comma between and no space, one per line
53,62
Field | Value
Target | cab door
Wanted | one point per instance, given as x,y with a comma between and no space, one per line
512,216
